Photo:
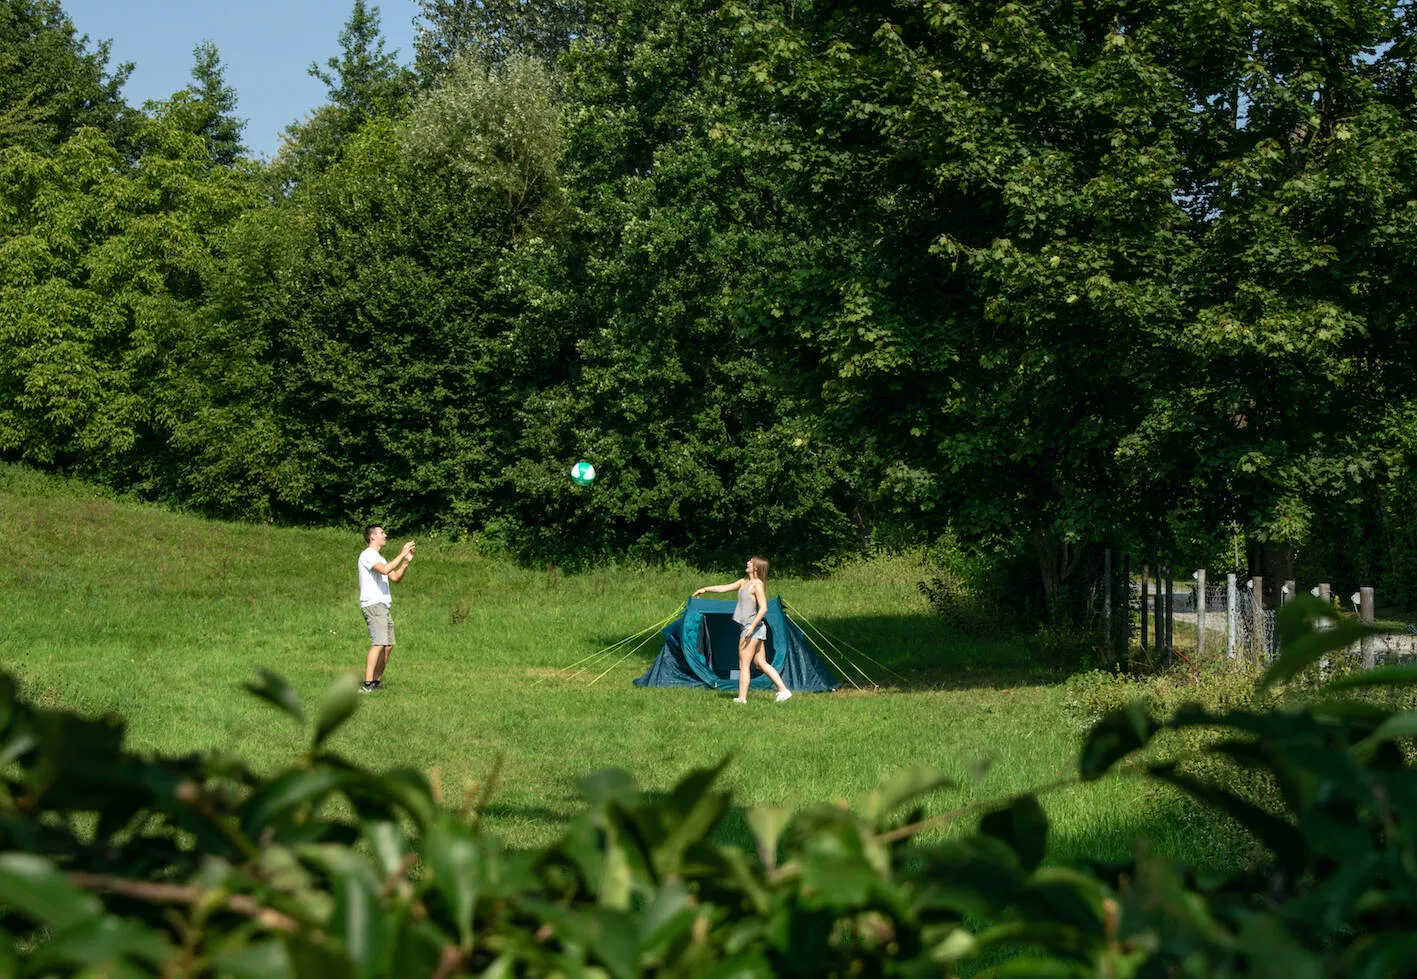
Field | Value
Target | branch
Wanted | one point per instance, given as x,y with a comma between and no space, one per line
154,893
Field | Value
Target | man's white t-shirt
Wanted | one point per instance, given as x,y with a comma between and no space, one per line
373,586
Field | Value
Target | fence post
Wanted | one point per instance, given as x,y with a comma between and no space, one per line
1200,612
1232,600
1159,614
1107,599
1126,593
1366,614
1325,595
1170,617
1145,581
1256,618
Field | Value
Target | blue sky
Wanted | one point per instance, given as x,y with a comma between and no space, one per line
266,45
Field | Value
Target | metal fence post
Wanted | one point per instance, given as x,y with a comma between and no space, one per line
1323,594
1366,614
1170,617
1256,618
1145,583
1232,600
1159,614
1200,612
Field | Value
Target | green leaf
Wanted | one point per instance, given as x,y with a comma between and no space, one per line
1302,640
359,921
104,944
1403,725
411,790
835,870
899,789
273,689
1023,826
258,960
767,824
698,808
453,856
1115,736
607,785
389,843
1383,676
340,703
36,888
615,942
670,914
1272,951
745,965
289,791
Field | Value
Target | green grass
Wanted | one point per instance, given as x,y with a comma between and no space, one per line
116,606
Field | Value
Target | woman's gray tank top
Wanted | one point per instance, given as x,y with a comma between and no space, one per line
747,606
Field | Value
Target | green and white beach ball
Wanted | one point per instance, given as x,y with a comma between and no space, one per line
583,473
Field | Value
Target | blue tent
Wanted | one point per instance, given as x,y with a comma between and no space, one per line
701,650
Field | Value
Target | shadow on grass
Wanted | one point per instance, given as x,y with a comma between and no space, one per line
905,652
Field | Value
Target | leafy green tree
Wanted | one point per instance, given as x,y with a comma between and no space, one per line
1290,416
1071,269
981,200
364,82
215,102
493,30
51,83
105,351
365,79
390,290
703,450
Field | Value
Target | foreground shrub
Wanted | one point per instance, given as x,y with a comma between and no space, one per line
114,864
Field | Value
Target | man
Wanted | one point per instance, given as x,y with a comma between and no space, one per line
374,600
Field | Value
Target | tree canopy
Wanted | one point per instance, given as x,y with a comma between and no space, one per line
1042,275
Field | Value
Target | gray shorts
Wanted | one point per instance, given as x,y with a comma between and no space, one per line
381,624
761,632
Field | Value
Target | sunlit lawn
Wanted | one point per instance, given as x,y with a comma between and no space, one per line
113,606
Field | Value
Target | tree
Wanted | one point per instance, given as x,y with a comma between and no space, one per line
981,204
701,446
106,355
365,82
51,84
1015,223
215,103
390,289
493,30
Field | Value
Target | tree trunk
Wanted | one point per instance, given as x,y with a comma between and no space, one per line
1057,560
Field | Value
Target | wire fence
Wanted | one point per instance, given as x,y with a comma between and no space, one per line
1228,615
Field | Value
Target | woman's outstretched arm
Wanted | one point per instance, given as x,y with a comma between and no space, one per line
731,586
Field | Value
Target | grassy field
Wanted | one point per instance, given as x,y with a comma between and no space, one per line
116,606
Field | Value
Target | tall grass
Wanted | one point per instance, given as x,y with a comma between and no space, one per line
117,606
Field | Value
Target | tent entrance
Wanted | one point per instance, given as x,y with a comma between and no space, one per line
718,644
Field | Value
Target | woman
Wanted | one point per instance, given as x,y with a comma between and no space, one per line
752,641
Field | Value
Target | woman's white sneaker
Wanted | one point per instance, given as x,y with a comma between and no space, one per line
783,695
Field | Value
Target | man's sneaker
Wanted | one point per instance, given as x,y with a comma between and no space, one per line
378,684
368,685
783,695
